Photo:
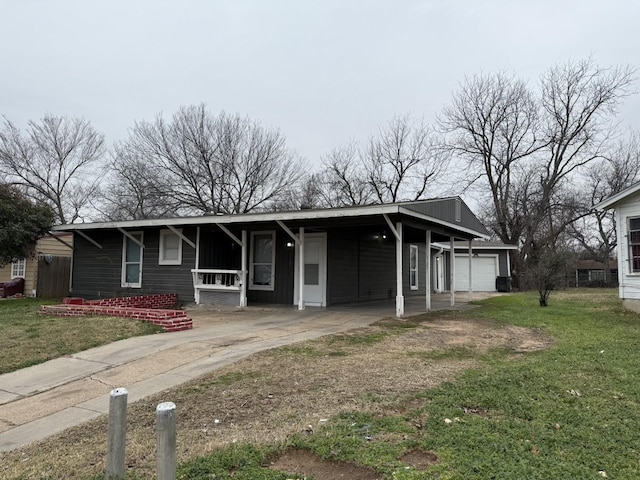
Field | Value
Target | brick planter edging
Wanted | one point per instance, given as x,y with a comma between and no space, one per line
138,308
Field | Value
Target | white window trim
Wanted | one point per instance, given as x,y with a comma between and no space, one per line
16,267
161,252
412,248
123,282
630,246
270,287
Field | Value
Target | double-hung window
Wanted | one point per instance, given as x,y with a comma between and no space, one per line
634,245
132,260
170,248
263,255
413,267
18,268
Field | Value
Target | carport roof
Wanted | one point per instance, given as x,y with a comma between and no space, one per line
427,212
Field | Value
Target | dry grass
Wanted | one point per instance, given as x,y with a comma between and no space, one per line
27,338
273,394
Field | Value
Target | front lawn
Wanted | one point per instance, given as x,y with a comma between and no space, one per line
508,390
27,338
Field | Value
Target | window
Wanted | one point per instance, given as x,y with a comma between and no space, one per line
18,268
132,260
263,254
413,267
458,203
634,245
170,248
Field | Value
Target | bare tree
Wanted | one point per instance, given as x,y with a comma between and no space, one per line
492,126
531,151
134,189
401,163
54,162
595,231
343,180
402,160
220,164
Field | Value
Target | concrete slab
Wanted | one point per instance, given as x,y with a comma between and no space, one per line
47,403
48,375
6,397
155,364
50,425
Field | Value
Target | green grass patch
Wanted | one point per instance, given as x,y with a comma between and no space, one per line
27,338
572,411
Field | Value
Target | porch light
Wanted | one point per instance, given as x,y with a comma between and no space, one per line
289,244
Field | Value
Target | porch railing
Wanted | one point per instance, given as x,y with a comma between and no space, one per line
216,279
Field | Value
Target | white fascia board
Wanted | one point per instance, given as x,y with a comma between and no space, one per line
238,218
453,226
611,201
345,212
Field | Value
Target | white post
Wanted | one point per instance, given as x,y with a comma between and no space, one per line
166,440
243,277
399,294
452,271
301,269
117,433
427,272
470,295
196,292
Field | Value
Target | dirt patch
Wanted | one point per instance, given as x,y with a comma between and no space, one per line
419,459
269,396
303,462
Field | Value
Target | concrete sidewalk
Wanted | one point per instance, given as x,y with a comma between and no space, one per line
42,400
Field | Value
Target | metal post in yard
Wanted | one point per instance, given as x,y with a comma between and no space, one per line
166,440
117,433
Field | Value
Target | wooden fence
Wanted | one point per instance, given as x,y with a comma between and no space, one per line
53,276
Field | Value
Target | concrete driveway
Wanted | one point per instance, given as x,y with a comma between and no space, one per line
42,400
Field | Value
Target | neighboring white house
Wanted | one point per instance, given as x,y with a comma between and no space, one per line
626,205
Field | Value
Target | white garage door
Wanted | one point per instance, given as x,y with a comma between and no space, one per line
485,271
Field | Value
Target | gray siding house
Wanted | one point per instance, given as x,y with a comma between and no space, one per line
315,257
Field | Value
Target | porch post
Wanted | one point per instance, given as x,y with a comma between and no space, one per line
196,292
470,295
427,272
243,278
301,270
452,271
399,295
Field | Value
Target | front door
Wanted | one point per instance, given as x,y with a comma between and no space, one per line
315,270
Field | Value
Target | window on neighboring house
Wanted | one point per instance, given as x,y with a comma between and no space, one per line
132,260
18,268
170,248
263,254
634,245
413,267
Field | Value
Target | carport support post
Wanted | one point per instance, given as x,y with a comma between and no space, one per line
243,288
301,269
470,295
427,271
452,271
117,433
399,295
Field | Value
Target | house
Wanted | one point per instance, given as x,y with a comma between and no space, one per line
349,254
45,272
626,205
592,273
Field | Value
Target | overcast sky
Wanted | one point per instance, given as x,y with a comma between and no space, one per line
323,72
